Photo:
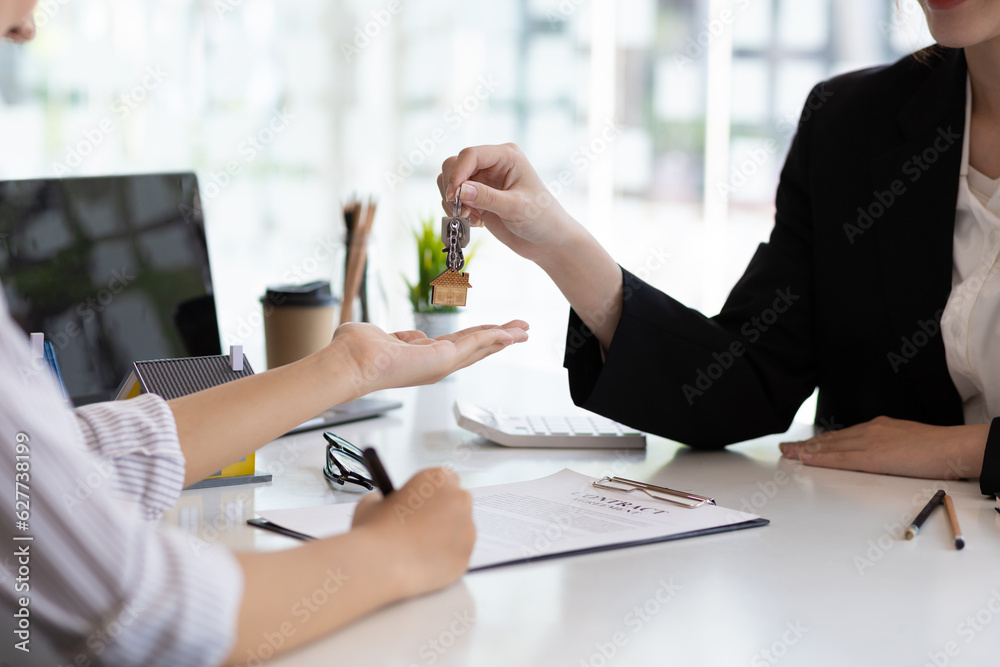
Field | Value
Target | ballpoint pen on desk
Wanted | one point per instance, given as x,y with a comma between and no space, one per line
914,528
281,530
956,531
377,470
379,475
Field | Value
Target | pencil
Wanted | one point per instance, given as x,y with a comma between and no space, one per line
956,531
352,210
914,528
356,258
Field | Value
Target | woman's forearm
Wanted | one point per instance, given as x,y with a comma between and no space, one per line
293,597
221,425
225,423
590,280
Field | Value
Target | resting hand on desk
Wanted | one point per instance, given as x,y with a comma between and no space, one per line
897,447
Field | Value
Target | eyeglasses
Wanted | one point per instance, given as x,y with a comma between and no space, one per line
345,463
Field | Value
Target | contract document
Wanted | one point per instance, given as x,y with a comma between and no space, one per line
559,515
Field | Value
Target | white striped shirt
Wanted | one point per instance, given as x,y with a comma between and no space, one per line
103,585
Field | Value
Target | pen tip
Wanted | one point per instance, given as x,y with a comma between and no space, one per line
959,543
910,533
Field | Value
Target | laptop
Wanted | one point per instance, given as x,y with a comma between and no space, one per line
115,269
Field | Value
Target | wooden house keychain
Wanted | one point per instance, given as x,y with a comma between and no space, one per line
450,288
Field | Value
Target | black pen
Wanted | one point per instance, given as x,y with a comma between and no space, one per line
914,528
273,527
378,472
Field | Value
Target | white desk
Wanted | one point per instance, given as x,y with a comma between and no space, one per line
825,584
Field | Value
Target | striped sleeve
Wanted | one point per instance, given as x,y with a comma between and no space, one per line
137,441
107,587
85,579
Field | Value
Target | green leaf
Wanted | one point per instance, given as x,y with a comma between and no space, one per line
432,261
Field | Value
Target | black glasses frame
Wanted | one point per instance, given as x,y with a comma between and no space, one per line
336,472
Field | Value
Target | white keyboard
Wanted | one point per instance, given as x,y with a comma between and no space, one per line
575,432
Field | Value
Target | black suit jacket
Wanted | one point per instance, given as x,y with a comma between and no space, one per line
847,295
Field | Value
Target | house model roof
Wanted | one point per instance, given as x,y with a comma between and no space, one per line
173,378
452,279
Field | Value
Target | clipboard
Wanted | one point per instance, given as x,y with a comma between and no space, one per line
687,500
674,497
596,514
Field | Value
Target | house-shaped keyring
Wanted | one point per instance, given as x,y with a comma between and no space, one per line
173,378
450,288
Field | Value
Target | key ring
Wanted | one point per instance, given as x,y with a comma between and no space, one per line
456,259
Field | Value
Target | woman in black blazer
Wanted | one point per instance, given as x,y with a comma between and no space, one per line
847,295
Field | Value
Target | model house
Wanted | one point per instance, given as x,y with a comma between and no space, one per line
450,288
173,378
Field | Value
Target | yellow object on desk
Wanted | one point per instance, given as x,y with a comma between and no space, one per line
173,378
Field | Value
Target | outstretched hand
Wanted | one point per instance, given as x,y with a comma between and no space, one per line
379,360
897,447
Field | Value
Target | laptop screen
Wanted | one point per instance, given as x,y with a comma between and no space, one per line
111,269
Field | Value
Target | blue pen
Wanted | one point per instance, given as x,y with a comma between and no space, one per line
50,357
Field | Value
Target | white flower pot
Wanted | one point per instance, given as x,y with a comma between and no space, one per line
435,324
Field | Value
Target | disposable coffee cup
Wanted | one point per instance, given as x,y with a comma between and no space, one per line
298,320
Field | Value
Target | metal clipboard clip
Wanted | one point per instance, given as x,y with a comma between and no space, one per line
653,491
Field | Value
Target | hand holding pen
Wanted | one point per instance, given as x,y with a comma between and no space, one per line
425,529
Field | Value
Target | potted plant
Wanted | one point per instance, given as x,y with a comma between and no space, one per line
431,262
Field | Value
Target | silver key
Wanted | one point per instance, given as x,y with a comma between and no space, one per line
464,227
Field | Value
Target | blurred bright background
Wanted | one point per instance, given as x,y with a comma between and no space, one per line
650,118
